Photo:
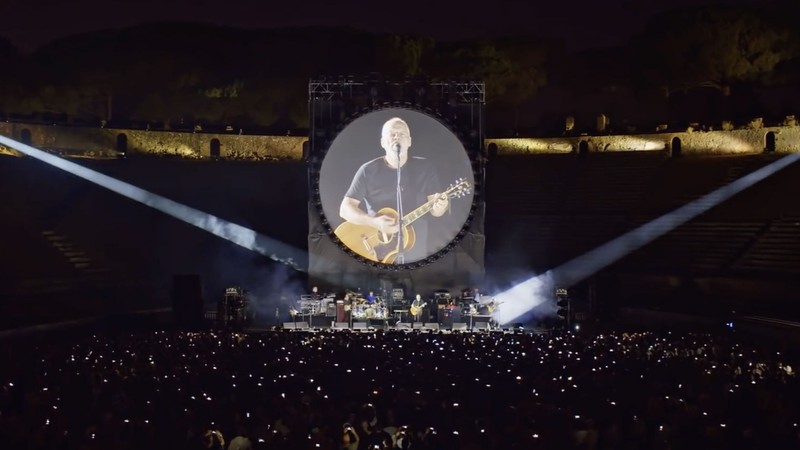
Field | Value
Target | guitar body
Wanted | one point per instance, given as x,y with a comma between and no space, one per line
417,309
371,244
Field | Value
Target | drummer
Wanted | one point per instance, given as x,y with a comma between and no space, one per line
371,298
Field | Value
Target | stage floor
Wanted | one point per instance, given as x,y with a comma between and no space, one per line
415,327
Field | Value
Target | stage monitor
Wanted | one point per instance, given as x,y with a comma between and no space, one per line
358,193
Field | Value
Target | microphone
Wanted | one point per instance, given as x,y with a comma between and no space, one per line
397,148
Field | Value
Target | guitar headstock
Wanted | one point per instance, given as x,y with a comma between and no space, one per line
459,188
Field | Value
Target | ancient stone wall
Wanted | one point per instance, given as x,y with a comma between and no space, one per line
100,142
750,140
109,141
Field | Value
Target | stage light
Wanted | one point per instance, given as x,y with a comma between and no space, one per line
562,304
524,297
237,234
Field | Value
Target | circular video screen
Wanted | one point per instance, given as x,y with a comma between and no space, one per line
396,186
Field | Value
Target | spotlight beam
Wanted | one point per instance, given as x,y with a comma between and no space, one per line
522,301
237,234
587,264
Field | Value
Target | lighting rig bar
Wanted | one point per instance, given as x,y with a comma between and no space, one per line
466,91
327,90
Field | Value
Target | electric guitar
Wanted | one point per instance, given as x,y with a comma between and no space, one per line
417,309
492,305
377,246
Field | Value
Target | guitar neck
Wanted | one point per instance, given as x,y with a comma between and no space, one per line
411,217
426,207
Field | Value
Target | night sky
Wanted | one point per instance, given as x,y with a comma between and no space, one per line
580,23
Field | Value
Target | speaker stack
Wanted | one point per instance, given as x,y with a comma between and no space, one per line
187,301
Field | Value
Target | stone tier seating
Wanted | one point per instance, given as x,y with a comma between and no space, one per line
777,249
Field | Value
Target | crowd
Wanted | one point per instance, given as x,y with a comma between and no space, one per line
418,390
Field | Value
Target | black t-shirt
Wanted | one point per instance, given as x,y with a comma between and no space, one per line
375,186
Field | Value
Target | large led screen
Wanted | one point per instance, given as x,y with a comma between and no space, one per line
363,202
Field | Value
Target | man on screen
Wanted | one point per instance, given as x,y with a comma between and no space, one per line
374,187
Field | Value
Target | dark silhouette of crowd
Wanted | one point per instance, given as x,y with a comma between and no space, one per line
412,390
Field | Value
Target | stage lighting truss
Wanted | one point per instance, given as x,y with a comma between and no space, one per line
327,91
465,92
335,100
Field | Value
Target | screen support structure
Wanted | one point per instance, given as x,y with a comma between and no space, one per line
334,99
331,98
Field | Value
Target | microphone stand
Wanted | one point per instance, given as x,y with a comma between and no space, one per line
400,238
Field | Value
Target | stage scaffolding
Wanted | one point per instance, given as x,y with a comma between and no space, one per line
333,103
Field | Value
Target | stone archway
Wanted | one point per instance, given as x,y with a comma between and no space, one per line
675,147
122,143
769,142
25,136
214,149
491,150
583,148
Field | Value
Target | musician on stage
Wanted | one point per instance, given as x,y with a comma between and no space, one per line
374,187
315,293
348,306
371,298
416,308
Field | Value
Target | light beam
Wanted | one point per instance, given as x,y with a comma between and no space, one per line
524,297
237,234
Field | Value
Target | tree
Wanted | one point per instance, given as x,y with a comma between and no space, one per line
402,55
284,104
152,108
712,47
528,57
513,70
10,60
51,100
7,50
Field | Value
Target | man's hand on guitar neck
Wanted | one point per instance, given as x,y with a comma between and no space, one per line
385,224
440,204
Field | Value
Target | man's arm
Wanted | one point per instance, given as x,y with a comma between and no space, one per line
351,211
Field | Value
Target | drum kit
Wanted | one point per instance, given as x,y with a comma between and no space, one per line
363,310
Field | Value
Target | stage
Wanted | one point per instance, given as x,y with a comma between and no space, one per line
308,322
416,327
